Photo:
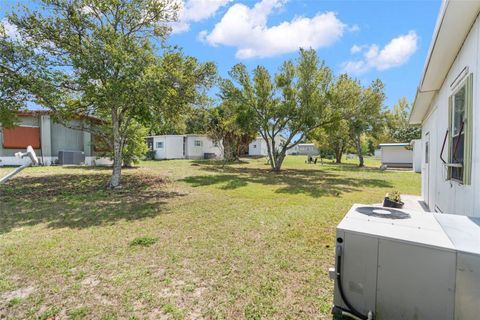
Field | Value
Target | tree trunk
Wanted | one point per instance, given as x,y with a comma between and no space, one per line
358,144
338,155
229,149
278,161
117,154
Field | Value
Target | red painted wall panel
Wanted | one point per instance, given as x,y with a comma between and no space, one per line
21,137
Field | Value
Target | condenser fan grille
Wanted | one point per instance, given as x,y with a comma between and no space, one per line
385,213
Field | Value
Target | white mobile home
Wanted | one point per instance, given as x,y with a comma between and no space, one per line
189,146
446,106
306,149
396,155
258,147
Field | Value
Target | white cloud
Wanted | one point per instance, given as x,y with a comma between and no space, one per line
195,11
356,49
354,28
395,53
245,28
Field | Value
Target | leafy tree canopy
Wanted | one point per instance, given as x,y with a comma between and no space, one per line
99,58
288,107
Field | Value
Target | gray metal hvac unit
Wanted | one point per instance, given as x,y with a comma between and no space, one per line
395,264
71,157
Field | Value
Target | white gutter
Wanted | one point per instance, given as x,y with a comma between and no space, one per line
454,23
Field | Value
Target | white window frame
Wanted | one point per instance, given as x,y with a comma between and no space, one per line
197,143
159,145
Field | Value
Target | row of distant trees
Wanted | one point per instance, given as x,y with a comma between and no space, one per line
108,62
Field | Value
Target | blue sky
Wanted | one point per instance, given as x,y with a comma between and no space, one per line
368,39
367,23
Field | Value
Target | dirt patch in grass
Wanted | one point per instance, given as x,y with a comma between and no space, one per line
20,293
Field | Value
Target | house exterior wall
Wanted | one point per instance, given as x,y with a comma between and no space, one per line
183,147
257,147
207,145
172,147
54,137
397,155
441,194
417,155
65,139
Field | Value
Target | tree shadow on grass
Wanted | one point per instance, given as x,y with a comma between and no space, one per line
80,200
313,182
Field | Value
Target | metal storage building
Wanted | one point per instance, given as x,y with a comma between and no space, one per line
48,138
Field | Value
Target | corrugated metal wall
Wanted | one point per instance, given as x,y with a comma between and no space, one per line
65,139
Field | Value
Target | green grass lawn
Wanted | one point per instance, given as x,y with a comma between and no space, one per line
180,240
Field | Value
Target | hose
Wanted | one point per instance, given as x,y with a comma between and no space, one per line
352,309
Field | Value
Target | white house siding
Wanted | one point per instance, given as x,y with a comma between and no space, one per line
446,195
258,148
184,147
172,147
417,155
194,151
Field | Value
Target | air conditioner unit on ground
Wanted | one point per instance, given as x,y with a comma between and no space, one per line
395,264
71,157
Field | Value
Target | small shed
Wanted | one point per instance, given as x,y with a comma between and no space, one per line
396,155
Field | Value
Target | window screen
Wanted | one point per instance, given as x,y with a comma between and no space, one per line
458,133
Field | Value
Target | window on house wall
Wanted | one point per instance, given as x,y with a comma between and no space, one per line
198,143
457,140
254,146
215,144
160,145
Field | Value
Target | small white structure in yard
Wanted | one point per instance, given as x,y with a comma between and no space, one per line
189,146
258,147
306,149
396,155
446,106
417,155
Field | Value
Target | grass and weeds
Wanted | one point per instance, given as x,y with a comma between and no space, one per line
212,241
143,241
